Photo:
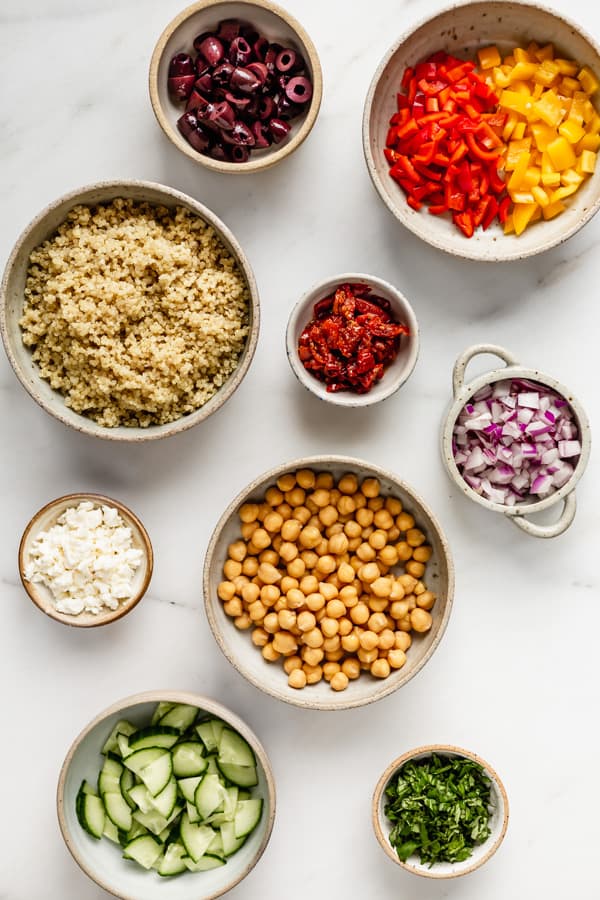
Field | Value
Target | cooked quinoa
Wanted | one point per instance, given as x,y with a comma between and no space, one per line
136,313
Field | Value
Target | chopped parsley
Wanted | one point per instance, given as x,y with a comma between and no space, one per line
440,807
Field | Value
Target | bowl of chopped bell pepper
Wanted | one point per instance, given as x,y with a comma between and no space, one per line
352,340
481,130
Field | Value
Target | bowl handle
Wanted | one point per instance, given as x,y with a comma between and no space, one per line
458,373
549,531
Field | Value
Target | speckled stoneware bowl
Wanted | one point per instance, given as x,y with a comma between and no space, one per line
12,294
463,391
395,375
461,29
498,820
271,678
44,519
278,26
101,860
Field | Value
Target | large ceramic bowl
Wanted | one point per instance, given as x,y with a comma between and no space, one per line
461,29
247,659
12,294
278,26
101,860
463,391
498,821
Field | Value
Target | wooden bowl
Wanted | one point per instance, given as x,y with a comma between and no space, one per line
102,861
480,855
45,518
12,295
461,29
278,26
395,375
247,659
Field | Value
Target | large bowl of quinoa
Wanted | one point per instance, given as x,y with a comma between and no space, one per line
129,311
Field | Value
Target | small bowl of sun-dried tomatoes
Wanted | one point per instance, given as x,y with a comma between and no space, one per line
352,340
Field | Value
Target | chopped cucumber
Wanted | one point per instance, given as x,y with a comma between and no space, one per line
195,838
126,782
118,810
124,749
155,736
152,820
142,798
165,802
231,844
209,795
141,758
172,862
90,812
122,727
230,802
206,734
110,830
243,776
157,774
188,759
187,786
216,845
211,765
109,779
180,716
204,864
193,814
87,788
144,849
159,712
247,816
234,749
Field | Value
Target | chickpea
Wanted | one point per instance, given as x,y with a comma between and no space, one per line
313,638
355,562
291,529
352,529
297,679
349,596
350,643
383,519
313,673
309,537
269,653
368,640
268,573
306,621
378,604
387,639
321,498
378,539
324,480
315,601
296,497
284,510
397,591
305,478
416,569
415,537
360,613
367,532
377,622
269,556
237,551
393,534
273,496
399,609
248,512
329,627
346,626
364,517
351,668
405,522
311,506
370,487
420,620
261,539
345,573
233,607
382,587
309,584
286,482
360,500
260,637
426,600
271,623
408,582
295,598
369,573
296,568
380,668
403,640
339,681
273,522
239,581
336,609
376,503
328,590
284,643
242,622
312,656
288,551
309,558
348,483
326,565
330,669
404,551
346,505
367,656
354,544
302,514
250,566
332,644
269,594
404,624
388,555
328,515
226,591
422,554
232,569
288,583
396,658
257,611
250,592
393,506
287,619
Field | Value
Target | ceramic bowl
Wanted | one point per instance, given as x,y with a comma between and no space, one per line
247,659
12,293
44,519
461,29
101,860
463,391
395,374
481,854
278,26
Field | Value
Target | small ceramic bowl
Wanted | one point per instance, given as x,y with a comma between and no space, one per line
271,678
481,854
278,26
44,519
12,294
461,29
102,861
464,391
395,375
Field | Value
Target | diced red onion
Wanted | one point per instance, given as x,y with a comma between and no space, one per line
569,448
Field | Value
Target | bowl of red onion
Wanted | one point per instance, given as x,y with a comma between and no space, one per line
236,86
352,340
516,441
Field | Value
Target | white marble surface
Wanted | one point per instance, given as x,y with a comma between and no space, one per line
515,679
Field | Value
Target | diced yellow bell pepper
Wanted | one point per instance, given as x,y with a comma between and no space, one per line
570,176
588,142
532,50
549,108
587,162
567,66
501,79
588,111
546,73
545,53
538,90
522,197
519,103
542,135
513,154
571,131
588,80
509,61
553,209
532,177
568,86
511,123
562,156
523,71
509,226
577,109
489,57
540,196
519,131
562,192
551,179
522,214
593,126
521,55
537,214
515,181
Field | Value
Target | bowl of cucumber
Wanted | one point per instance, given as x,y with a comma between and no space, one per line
165,784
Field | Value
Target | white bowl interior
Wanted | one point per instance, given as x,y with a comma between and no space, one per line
14,285
266,21
103,860
46,520
498,812
395,374
270,677
461,30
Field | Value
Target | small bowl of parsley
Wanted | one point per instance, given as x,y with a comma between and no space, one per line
440,811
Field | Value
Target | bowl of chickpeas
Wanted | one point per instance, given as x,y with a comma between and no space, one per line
328,583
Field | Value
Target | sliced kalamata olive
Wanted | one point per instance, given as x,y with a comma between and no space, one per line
299,89
222,74
262,137
181,86
244,80
260,47
240,52
239,103
222,115
196,101
279,130
282,80
192,131
251,111
201,37
204,83
289,61
259,70
218,151
228,29
271,55
266,107
181,64
212,50
286,109
239,154
239,134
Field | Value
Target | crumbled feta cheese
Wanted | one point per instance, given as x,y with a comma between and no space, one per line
87,560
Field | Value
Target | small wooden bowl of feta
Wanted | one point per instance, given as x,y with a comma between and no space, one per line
85,560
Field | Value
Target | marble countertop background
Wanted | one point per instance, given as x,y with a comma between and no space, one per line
516,677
